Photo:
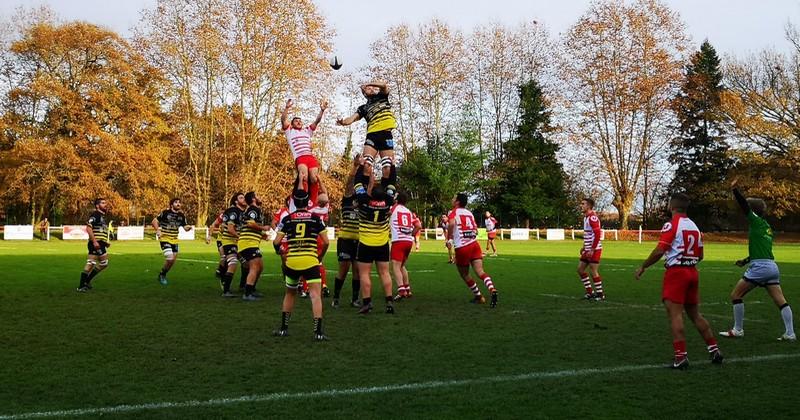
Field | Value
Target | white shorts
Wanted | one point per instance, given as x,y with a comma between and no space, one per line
762,273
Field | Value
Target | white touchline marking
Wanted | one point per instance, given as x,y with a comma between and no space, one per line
648,307
278,396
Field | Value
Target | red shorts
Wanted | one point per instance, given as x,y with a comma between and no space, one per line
492,234
467,254
401,250
309,160
595,259
681,285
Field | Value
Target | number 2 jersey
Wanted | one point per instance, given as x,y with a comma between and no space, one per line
682,242
465,231
301,229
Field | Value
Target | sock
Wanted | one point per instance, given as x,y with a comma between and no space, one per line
366,301
92,275
317,325
249,289
680,349
401,290
598,285
84,278
285,316
738,314
711,345
473,287
356,289
408,289
164,271
337,287
243,279
488,282
587,284
227,279
222,266
788,322
389,300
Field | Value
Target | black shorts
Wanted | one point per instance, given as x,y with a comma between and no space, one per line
99,252
250,254
311,274
370,254
380,140
346,249
230,250
165,246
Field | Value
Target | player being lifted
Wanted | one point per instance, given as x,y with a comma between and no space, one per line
97,260
167,224
380,123
762,270
491,233
681,244
374,209
302,260
347,241
462,233
299,139
252,231
405,226
591,252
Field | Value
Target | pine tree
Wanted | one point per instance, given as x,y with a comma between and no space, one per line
531,181
700,151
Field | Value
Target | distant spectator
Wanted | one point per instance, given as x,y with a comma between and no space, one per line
44,226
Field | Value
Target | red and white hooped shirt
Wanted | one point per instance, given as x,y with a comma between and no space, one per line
300,140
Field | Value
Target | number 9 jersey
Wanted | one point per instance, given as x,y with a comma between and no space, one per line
301,228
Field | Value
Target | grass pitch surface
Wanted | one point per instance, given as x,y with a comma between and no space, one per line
543,352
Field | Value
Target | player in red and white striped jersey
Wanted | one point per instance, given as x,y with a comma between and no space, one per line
590,252
321,209
491,233
681,245
299,139
404,225
462,233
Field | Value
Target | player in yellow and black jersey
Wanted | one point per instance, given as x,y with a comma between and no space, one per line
229,226
374,211
252,231
380,123
167,224
347,241
97,260
302,228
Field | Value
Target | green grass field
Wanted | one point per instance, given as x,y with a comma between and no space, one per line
541,353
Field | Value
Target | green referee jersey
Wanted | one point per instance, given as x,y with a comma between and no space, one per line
759,241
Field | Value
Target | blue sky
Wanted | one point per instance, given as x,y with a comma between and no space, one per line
733,26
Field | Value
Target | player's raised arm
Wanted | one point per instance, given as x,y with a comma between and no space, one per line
743,204
349,120
322,107
380,84
285,123
357,162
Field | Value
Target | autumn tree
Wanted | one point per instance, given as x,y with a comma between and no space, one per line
83,120
620,65
763,110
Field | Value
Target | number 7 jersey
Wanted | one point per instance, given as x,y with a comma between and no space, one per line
682,242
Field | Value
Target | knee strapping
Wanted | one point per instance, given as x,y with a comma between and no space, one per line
386,162
104,263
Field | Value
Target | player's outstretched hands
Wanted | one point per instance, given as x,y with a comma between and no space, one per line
358,160
289,104
639,272
734,182
340,121
323,105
